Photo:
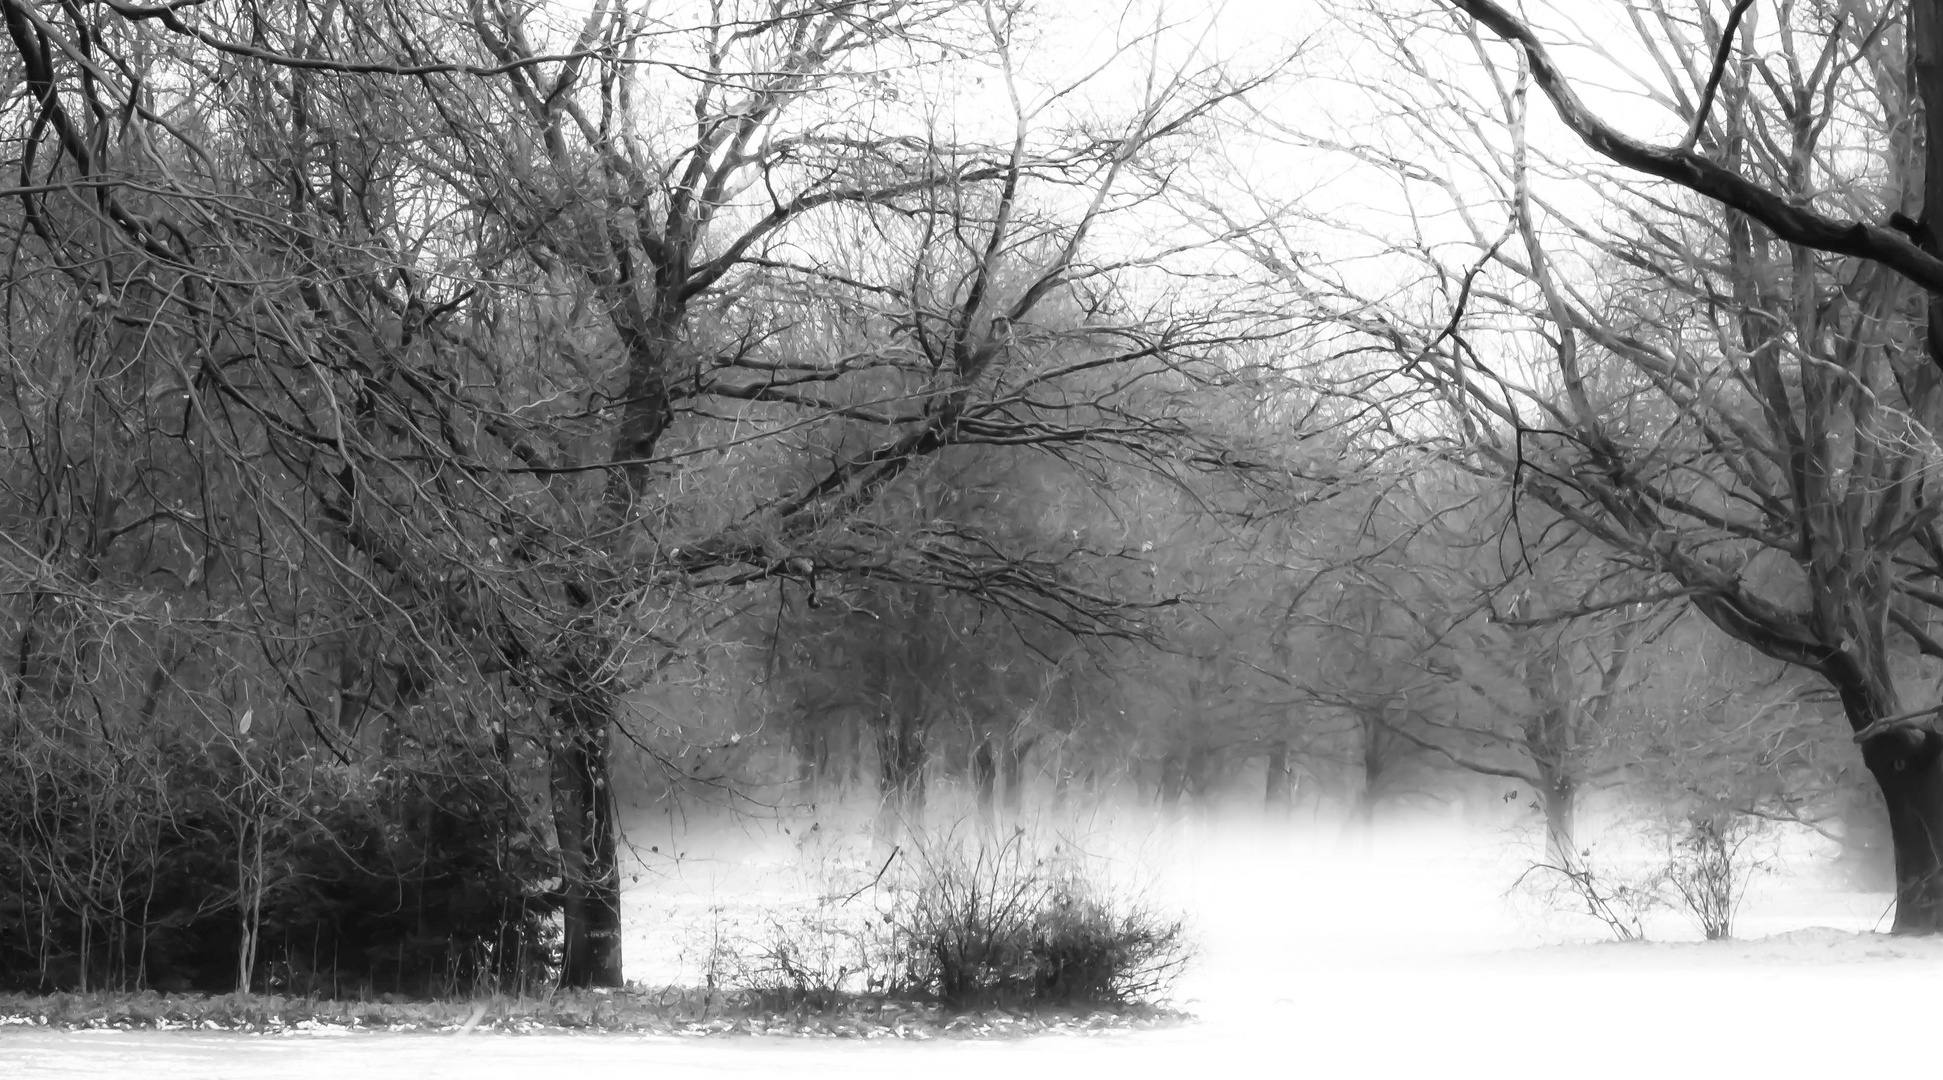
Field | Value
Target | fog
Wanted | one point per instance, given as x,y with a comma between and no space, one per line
1407,954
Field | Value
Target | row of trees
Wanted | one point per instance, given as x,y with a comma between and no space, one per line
1400,650
411,412
412,380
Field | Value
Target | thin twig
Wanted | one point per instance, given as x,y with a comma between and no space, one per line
861,889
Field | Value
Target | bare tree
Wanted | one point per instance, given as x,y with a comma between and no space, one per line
1736,394
462,374
1534,655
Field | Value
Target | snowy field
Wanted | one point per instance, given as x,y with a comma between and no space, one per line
1408,961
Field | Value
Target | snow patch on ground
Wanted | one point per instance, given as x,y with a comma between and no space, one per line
1411,961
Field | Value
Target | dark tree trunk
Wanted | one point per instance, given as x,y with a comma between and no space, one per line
905,660
900,741
1012,771
1908,772
805,768
901,758
1905,763
1552,733
1173,780
812,745
1278,798
1363,816
1074,780
1201,779
1376,767
583,792
1926,56
1559,798
848,761
583,818
1359,831
984,768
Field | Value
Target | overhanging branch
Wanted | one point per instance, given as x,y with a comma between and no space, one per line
1790,222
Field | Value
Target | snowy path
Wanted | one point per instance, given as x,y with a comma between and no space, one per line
1327,969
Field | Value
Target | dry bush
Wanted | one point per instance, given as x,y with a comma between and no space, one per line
985,921
1711,859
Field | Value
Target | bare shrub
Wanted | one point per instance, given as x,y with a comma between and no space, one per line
1710,861
1085,949
988,922
817,954
960,918
1615,899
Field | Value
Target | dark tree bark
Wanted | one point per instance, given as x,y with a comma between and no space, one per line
903,720
583,820
1904,761
812,749
984,769
1379,750
1202,779
1912,788
901,757
1279,797
1173,781
1559,799
1551,739
1012,771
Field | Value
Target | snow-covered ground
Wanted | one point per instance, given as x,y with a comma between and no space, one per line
1409,962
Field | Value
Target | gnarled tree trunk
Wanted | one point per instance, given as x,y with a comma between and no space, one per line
583,821
1905,763
1911,777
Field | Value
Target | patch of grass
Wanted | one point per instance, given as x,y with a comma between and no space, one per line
673,1011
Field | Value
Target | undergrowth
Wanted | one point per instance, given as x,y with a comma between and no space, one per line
958,931
982,921
673,1011
1706,863
957,917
